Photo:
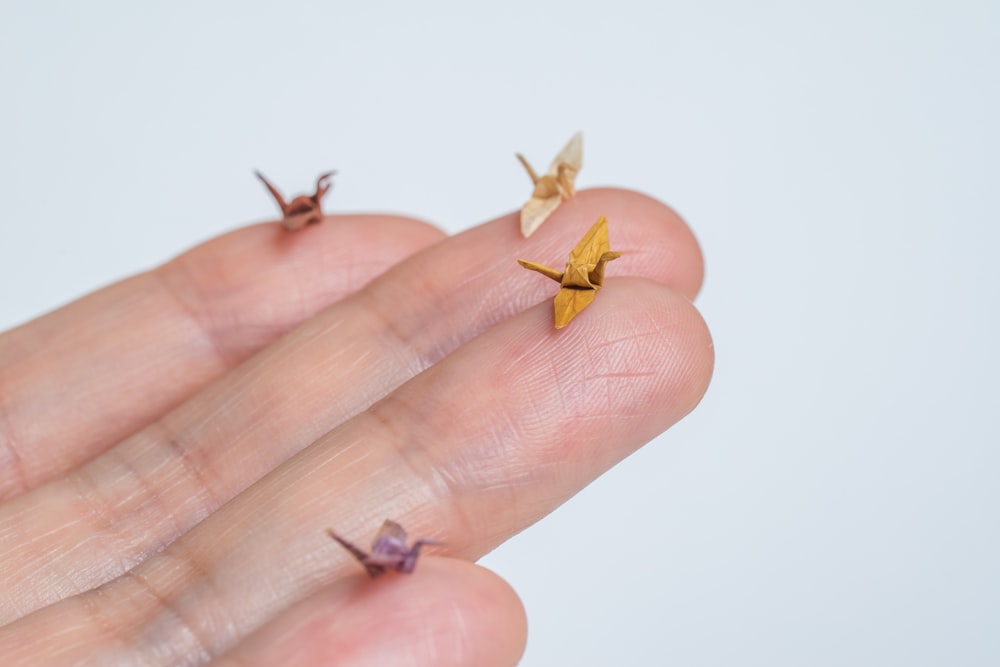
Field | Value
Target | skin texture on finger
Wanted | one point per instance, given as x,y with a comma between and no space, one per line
79,379
100,521
448,613
469,452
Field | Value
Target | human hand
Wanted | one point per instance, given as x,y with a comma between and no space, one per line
173,448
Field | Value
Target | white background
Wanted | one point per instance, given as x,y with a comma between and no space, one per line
834,500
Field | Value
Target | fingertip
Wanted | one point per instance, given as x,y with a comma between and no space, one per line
654,239
678,339
633,322
250,286
448,612
344,237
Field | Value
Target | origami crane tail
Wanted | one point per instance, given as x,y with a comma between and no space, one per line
572,154
566,177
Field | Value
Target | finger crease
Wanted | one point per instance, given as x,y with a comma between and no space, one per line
106,509
154,637
389,323
192,313
10,456
190,468
443,485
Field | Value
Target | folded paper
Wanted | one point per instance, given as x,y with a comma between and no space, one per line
389,550
584,273
550,189
304,209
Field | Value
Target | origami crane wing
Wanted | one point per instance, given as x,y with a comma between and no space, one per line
390,550
588,259
569,302
536,211
388,537
571,159
593,244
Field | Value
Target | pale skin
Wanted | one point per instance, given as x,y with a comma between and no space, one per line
175,447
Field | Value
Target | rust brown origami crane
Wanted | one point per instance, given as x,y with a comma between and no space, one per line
304,209
584,273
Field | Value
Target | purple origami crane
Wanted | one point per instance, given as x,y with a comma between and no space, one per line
389,550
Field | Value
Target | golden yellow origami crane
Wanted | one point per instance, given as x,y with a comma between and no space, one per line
584,273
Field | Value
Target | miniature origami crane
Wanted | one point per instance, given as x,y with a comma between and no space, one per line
389,550
304,209
584,273
557,184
